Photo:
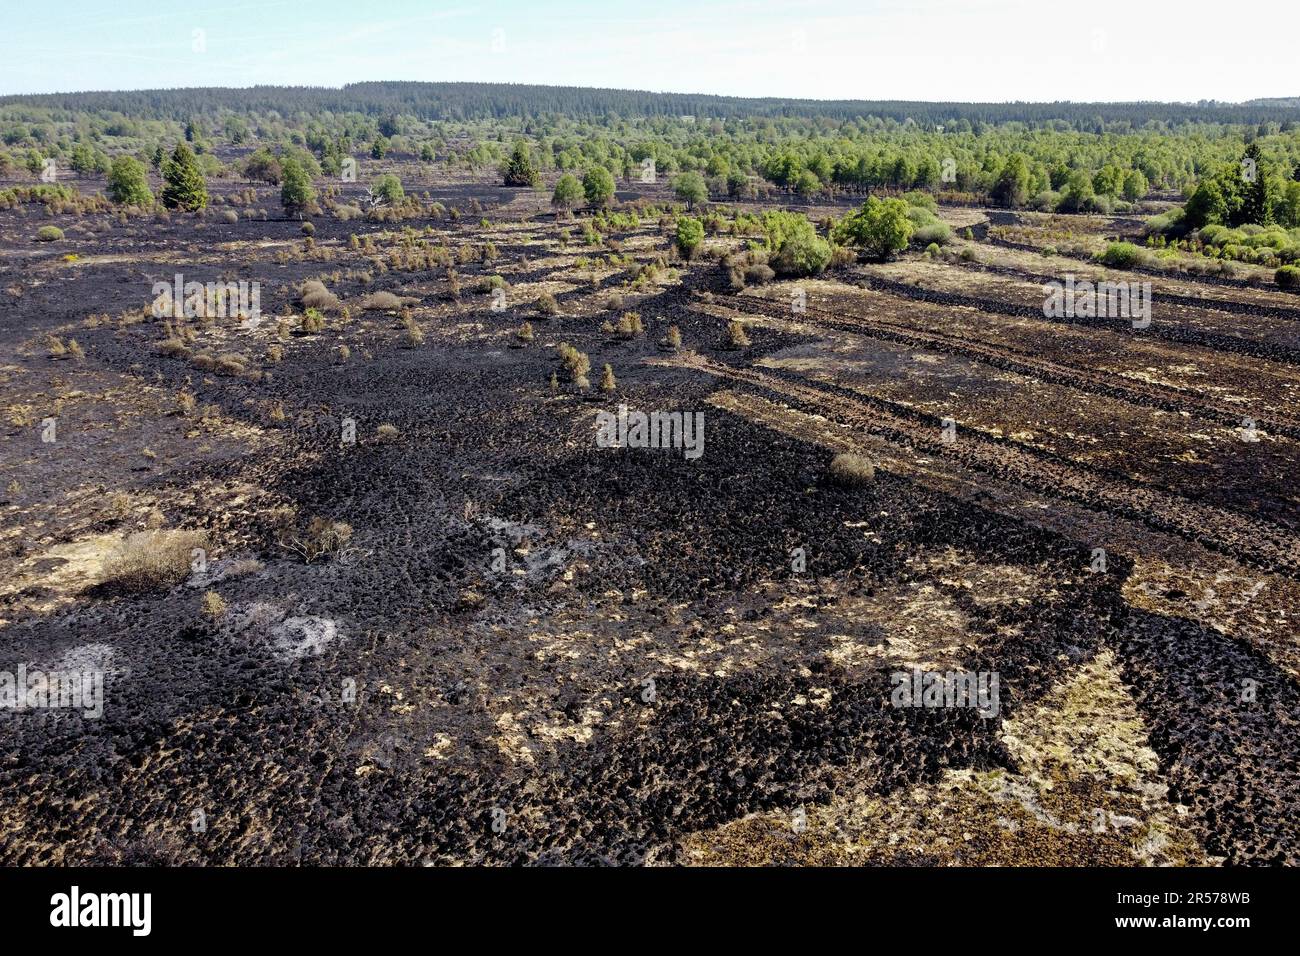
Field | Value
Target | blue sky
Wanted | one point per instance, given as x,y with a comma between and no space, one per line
870,49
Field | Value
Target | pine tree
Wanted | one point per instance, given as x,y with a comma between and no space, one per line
519,169
183,186
1255,206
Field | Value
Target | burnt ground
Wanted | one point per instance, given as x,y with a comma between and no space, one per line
536,650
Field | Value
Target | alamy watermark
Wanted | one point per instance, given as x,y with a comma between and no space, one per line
214,300
977,690
636,429
53,690
1098,300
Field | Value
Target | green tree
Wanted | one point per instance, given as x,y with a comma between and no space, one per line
128,184
379,148
388,188
690,233
1012,186
1078,194
598,184
806,184
880,228
183,184
568,193
263,166
1256,204
690,189
296,192
519,169
1136,185
1205,207
796,248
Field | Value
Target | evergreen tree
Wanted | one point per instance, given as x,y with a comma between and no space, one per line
1256,206
183,184
519,169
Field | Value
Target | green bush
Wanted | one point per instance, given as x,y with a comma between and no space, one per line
1288,277
49,234
936,233
1123,255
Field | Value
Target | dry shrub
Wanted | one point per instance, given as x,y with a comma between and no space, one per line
323,538
214,607
153,560
382,302
852,470
546,304
313,295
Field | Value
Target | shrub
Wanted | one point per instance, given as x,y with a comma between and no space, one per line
673,339
213,606
736,335
760,273
935,233
388,189
381,302
49,234
150,560
1287,277
313,295
546,304
1123,255
851,470
629,326
386,431
576,363
607,381
322,538
803,254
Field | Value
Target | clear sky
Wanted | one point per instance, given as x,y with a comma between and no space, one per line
962,50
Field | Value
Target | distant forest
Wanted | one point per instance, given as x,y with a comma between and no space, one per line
479,101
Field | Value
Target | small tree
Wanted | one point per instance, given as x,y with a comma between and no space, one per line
1012,186
690,233
690,189
598,184
880,228
389,189
184,186
128,184
568,193
264,167
519,169
296,192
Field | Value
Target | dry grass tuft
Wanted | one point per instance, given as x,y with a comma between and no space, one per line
153,560
852,470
